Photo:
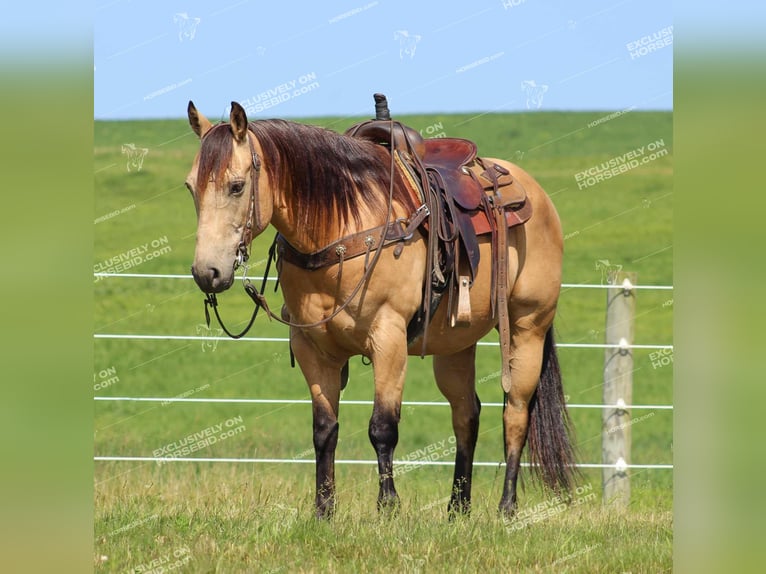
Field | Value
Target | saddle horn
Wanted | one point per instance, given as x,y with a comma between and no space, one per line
381,107
383,129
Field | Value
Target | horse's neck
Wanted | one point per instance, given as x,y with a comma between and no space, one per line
303,239
295,234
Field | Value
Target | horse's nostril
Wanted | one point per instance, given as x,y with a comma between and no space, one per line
208,278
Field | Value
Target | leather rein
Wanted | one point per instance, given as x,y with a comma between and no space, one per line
258,296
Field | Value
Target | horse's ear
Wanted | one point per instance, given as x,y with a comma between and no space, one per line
238,120
199,123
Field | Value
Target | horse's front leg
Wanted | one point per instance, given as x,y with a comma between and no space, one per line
323,378
456,378
389,366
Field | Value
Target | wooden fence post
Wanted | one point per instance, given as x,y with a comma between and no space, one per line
618,389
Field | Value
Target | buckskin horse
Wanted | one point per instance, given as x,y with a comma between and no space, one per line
368,225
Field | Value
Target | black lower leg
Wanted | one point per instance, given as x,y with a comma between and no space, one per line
460,500
325,441
384,435
508,500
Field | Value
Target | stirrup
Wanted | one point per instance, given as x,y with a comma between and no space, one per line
462,318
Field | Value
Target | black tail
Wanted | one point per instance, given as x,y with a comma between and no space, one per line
551,453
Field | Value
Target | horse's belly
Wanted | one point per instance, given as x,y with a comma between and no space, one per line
442,338
445,340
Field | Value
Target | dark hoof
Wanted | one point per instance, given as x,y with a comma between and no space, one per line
507,509
458,507
325,509
389,505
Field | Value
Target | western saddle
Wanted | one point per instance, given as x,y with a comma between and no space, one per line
465,197
462,197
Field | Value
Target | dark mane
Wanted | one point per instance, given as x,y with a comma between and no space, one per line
329,177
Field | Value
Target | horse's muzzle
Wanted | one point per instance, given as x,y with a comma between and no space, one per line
210,279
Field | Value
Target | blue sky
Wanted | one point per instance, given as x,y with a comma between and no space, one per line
291,59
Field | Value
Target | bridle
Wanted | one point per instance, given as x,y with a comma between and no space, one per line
247,230
242,256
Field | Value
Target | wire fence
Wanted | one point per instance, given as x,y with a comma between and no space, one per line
417,463
354,402
127,336
285,340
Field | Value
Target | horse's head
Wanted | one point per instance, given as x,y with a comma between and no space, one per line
232,207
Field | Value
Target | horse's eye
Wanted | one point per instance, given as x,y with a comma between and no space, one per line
236,187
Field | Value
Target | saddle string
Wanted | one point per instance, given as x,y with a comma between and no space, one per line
490,205
431,211
431,201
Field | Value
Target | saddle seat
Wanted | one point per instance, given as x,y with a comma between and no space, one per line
453,158
383,132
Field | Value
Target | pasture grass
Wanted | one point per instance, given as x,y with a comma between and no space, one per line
245,517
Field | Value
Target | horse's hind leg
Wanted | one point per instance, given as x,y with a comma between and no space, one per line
456,378
538,413
526,363
324,380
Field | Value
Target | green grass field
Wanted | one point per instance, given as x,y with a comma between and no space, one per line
240,517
